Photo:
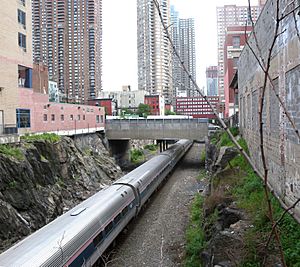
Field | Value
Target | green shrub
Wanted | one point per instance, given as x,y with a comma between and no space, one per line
136,155
151,147
11,151
50,137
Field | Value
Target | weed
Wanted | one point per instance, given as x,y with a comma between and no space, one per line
235,131
136,155
203,156
195,236
202,175
225,140
50,137
13,184
11,151
151,147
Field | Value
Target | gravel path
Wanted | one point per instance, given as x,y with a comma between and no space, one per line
157,236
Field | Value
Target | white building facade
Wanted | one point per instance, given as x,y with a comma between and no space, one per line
154,51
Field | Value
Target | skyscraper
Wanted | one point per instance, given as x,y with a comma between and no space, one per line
154,57
212,80
67,37
231,15
188,53
183,37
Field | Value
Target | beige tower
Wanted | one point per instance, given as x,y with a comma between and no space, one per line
15,58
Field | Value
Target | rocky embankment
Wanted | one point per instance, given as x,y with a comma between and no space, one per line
224,222
48,179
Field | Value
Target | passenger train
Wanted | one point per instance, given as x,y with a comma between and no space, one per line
81,235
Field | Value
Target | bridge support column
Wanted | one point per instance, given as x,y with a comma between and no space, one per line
165,145
120,150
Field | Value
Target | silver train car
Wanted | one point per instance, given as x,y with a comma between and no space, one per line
81,235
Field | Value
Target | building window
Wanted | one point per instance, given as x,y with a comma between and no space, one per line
83,117
45,117
23,2
52,117
22,40
22,18
25,77
97,118
102,119
23,118
78,117
71,117
62,117
236,41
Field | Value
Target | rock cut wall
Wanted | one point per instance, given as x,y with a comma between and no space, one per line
49,180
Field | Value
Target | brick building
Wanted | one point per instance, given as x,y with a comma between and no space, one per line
156,103
196,106
37,115
231,15
235,41
109,104
282,148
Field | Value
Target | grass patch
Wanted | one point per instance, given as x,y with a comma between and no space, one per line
195,236
50,137
250,196
136,155
11,151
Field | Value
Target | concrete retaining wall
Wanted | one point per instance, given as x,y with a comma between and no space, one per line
281,144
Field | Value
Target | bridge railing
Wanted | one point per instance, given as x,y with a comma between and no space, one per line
195,129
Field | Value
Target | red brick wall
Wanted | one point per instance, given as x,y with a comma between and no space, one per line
84,116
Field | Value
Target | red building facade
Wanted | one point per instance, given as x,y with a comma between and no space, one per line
196,106
156,103
235,40
107,103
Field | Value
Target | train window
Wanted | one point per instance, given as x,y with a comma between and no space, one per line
124,211
117,218
98,239
108,228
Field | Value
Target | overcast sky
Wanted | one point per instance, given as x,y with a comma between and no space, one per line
120,45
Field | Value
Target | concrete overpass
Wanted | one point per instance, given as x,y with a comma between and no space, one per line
156,129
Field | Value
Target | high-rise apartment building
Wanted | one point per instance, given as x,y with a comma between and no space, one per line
67,37
15,63
183,37
231,15
187,54
212,80
154,52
